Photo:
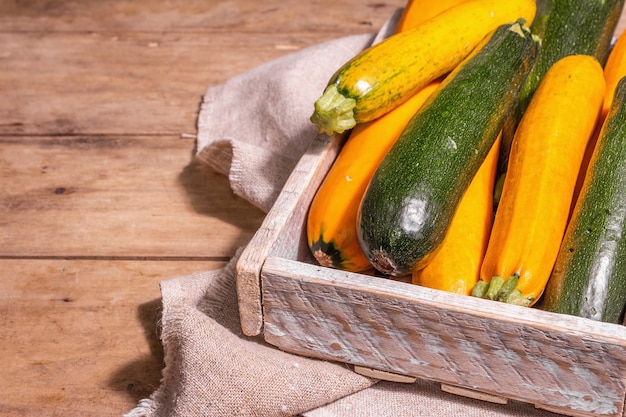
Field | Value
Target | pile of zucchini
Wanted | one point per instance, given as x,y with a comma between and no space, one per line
486,155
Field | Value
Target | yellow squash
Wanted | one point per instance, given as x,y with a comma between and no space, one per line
418,11
614,70
388,73
546,155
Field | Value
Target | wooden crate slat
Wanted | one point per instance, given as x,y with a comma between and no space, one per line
280,231
557,361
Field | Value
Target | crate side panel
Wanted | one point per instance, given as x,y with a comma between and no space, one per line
281,230
336,316
303,184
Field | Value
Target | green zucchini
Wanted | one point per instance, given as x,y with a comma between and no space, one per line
410,201
589,276
565,27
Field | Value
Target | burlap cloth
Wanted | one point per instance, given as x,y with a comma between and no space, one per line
253,128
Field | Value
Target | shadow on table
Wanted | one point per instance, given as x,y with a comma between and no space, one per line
209,193
140,377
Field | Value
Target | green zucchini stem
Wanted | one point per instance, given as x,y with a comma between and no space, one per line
502,290
515,297
494,288
334,112
480,289
509,286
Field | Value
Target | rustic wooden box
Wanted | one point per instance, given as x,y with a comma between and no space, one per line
398,331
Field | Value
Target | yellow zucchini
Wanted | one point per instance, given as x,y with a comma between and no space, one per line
418,11
388,73
589,275
614,70
546,155
565,27
331,222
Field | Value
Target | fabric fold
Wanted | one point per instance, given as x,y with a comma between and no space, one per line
212,369
255,126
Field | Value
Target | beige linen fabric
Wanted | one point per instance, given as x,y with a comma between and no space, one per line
211,368
420,399
268,108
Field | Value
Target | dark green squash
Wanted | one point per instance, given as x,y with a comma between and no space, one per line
413,195
589,277
565,27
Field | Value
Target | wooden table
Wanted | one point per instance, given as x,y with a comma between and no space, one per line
99,195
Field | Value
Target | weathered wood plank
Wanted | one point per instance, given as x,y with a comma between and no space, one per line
79,338
106,69
268,16
556,361
119,82
278,232
116,196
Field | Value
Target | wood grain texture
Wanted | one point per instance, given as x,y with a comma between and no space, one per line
135,68
116,196
565,363
275,233
222,17
122,83
80,338
99,195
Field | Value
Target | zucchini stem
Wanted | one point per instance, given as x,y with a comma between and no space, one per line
502,290
334,112
494,288
480,289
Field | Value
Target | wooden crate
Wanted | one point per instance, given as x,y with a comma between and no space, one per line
398,331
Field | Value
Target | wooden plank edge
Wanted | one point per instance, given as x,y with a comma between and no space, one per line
457,390
309,172
471,393
384,375
563,411
497,399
